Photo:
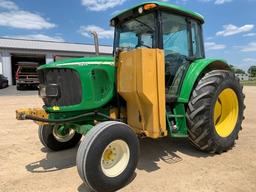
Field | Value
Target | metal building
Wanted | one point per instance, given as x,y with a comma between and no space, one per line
243,77
13,51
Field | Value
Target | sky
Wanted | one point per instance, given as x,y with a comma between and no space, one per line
229,29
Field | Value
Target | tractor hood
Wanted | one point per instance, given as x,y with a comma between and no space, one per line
77,84
79,62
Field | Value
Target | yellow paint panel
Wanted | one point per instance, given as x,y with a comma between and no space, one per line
140,81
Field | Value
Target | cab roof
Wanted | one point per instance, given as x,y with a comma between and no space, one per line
165,6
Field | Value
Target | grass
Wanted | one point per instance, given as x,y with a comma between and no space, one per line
249,83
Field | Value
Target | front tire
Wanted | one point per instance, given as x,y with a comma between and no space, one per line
19,87
108,156
215,112
50,138
3,85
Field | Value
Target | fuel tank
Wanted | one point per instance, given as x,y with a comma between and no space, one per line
140,81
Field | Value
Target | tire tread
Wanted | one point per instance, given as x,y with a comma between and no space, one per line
198,114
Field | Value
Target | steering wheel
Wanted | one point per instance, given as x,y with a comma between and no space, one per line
175,56
173,61
142,45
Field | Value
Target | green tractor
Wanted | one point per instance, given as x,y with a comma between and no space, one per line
157,84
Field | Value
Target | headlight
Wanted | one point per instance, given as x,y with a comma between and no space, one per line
51,90
42,91
140,10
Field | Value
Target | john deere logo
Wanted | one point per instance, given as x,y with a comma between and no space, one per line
56,108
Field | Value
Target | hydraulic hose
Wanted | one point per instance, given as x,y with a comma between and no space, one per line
70,119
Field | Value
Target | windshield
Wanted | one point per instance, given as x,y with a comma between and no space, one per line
137,32
28,70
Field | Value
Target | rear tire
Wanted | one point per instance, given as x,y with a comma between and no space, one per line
19,87
50,139
206,131
108,156
4,85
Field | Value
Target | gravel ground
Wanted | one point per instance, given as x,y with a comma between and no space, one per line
165,165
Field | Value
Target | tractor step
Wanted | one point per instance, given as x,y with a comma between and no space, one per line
173,116
176,122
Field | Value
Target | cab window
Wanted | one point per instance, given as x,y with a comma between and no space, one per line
197,40
137,32
175,34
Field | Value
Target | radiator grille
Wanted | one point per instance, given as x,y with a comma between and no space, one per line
69,84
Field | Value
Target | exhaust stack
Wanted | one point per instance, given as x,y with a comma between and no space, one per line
96,42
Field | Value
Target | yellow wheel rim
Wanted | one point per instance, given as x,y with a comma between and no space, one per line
115,158
226,112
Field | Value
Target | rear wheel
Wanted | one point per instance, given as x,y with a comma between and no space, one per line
215,112
19,87
108,156
4,85
52,139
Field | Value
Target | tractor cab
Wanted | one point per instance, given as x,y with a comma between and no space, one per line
158,25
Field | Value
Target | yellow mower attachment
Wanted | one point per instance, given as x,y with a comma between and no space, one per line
37,112
140,81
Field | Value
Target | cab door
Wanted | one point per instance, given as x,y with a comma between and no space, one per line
181,42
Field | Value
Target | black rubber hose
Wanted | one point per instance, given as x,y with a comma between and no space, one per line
34,118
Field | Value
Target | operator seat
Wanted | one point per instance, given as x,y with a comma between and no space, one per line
173,62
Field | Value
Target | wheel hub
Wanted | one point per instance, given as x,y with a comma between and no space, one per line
115,158
63,136
226,112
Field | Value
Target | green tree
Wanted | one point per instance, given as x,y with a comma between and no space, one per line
233,69
252,71
236,70
239,71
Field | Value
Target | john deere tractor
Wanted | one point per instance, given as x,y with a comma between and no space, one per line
157,84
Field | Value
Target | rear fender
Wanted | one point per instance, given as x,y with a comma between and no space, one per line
194,72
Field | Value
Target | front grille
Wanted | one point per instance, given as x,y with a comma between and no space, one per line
69,84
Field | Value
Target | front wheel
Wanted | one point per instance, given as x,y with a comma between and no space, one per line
4,85
108,156
19,87
52,139
215,111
